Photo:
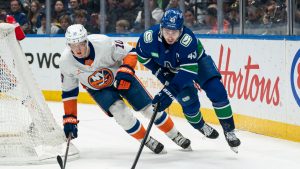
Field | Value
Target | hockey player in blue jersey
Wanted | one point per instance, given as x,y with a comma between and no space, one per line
177,58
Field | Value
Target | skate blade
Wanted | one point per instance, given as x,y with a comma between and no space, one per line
235,149
189,148
164,151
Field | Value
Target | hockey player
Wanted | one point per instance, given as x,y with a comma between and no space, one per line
177,58
98,62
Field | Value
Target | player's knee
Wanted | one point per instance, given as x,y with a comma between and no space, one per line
188,97
122,114
148,112
189,100
215,91
191,109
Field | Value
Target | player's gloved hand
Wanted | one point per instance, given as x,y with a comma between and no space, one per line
164,75
70,125
124,77
165,97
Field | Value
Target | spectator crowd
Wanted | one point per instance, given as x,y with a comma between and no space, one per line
127,16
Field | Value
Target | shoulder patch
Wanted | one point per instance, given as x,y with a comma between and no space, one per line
186,40
148,36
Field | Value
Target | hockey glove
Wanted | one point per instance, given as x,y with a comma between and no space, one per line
124,77
70,125
164,75
165,97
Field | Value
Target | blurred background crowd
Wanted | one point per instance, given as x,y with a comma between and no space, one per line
265,17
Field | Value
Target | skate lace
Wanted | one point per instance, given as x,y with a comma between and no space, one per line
152,144
231,136
207,130
179,139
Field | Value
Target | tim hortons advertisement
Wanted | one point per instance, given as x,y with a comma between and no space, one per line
262,77
254,75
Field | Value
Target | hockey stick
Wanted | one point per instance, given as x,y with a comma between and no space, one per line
59,159
146,136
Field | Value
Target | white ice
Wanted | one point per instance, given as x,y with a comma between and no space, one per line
104,145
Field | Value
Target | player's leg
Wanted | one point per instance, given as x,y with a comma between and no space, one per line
164,122
140,100
110,102
216,92
188,99
209,80
132,126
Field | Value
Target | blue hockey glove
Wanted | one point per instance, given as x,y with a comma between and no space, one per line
165,97
70,125
164,75
125,75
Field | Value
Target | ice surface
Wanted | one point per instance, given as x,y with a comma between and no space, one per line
104,145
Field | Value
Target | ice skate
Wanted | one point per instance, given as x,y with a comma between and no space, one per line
209,132
183,142
155,146
232,141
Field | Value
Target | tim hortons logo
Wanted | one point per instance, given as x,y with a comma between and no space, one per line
246,84
295,77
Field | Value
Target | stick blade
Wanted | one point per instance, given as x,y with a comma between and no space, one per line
60,161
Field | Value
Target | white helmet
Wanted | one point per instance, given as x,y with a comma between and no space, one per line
76,33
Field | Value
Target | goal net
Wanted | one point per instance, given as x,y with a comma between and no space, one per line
29,133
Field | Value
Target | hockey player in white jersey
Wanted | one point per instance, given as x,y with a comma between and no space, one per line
105,68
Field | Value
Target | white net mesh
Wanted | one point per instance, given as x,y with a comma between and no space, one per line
28,131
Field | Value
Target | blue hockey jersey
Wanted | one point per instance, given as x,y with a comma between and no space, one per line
181,57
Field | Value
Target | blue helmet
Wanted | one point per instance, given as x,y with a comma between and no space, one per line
172,19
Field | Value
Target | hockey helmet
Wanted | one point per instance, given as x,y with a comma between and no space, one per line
172,19
76,33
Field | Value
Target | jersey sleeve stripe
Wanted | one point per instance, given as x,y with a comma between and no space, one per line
143,60
200,49
71,93
191,68
69,98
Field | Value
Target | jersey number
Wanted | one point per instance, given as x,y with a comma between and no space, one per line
119,43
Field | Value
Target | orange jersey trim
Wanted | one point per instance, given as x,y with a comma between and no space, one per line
70,107
131,60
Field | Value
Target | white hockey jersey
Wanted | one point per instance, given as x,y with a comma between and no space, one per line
99,70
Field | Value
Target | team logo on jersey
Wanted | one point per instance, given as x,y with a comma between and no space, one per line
186,40
168,65
148,36
295,77
101,78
